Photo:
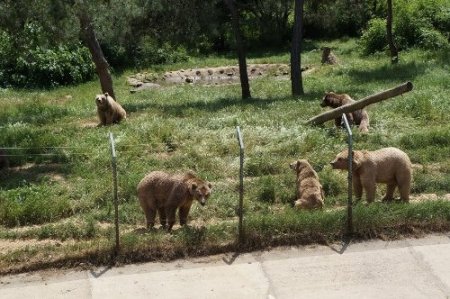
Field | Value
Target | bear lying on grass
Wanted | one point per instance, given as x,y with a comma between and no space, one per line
390,166
309,190
358,117
165,193
108,110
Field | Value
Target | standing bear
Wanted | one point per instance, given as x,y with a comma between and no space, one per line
108,110
309,190
358,117
165,193
389,165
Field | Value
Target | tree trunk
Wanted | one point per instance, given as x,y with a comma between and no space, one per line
381,96
101,64
390,39
240,50
296,62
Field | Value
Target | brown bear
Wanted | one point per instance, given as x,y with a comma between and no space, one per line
165,193
358,117
390,166
108,110
309,190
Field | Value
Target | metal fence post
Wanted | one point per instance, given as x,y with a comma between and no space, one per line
350,178
241,186
115,192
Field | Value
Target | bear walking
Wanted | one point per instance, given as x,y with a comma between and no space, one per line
358,117
309,190
390,166
108,110
166,193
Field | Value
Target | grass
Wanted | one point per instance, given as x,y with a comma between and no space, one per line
59,189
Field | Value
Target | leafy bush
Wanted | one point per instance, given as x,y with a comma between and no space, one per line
431,39
36,65
149,52
373,38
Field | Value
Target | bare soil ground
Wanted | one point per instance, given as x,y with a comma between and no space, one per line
209,75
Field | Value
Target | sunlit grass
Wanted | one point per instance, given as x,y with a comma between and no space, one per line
61,177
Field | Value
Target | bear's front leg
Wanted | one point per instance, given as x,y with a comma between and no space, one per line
162,217
357,187
184,212
170,213
370,191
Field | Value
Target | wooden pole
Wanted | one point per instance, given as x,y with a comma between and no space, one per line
381,96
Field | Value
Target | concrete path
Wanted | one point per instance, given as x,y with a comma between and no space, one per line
410,268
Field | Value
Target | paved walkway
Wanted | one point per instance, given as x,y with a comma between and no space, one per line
410,268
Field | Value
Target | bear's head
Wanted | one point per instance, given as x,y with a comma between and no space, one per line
200,190
330,100
341,160
299,165
102,101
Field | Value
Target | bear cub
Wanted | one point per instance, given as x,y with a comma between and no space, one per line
309,190
358,117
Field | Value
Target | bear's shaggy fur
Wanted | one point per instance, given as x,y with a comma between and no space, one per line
108,110
309,190
390,166
358,117
165,193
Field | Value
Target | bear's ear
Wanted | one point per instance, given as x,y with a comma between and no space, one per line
298,164
106,94
210,185
193,186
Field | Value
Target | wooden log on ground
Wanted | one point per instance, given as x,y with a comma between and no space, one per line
381,96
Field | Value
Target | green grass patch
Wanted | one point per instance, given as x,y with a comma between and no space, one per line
59,188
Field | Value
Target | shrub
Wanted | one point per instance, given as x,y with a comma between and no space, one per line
35,64
151,52
373,38
432,39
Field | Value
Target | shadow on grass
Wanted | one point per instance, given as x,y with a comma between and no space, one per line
388,73
32,173
179,110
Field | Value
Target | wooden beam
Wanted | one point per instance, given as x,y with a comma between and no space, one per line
381,96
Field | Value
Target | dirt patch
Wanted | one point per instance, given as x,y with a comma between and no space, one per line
209,75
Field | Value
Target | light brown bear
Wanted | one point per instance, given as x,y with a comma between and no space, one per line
389,165
309,190
358,117
165,193
108,110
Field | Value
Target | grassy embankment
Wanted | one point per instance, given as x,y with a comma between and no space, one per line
57,207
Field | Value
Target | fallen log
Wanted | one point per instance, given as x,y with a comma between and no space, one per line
381,96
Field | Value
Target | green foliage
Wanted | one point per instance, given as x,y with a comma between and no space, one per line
373,38
32,205
149,52
36,65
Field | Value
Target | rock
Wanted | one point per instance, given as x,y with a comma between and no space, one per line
145,86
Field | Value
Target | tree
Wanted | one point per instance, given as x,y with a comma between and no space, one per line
296,73
90,39
240,50
390,39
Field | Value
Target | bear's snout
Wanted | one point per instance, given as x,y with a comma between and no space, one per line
323,104
203,201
